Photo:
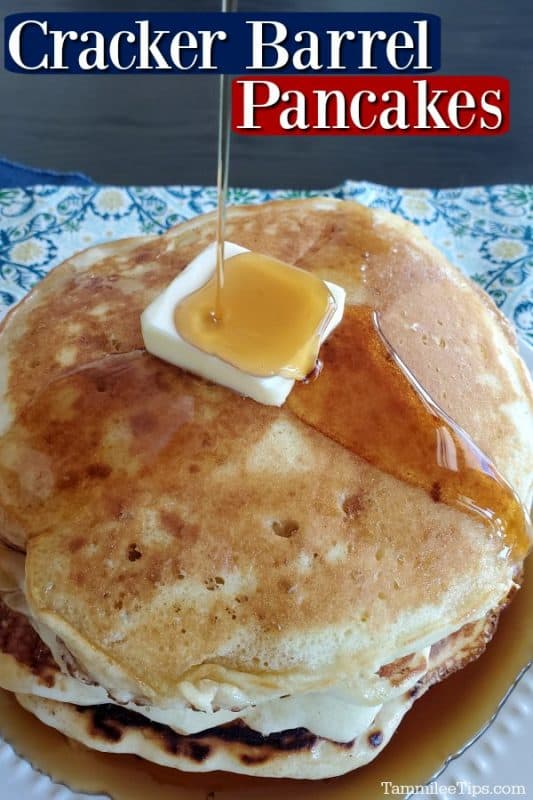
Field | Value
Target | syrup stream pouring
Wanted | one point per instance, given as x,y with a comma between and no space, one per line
224,133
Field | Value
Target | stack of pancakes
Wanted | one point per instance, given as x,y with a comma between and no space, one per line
211,583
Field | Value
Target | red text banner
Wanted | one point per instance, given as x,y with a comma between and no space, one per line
377,106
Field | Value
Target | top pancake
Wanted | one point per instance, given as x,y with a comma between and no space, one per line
147,498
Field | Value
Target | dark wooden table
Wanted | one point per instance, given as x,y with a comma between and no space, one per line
162,129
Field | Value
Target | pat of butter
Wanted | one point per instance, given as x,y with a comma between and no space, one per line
163,340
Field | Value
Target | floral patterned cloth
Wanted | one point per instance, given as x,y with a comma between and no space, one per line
487,231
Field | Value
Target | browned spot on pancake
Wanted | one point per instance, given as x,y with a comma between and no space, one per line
375,738
111,722
172,522
353,505
69,480
118,509
143,423
464,632
115,344
398,671
96,283
436,492
144,255
20,640
99,470
162,380
177,527
284,585
104,724
133,552
251,760
76,544
285,528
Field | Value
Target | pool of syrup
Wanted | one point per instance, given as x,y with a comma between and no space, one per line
462,704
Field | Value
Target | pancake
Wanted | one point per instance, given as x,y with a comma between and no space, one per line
191,555
55,699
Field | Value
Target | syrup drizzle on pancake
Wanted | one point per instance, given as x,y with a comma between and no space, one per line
367,400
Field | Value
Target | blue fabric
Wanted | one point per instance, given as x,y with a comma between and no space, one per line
485,230
18,175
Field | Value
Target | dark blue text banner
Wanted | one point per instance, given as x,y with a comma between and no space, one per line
239,43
